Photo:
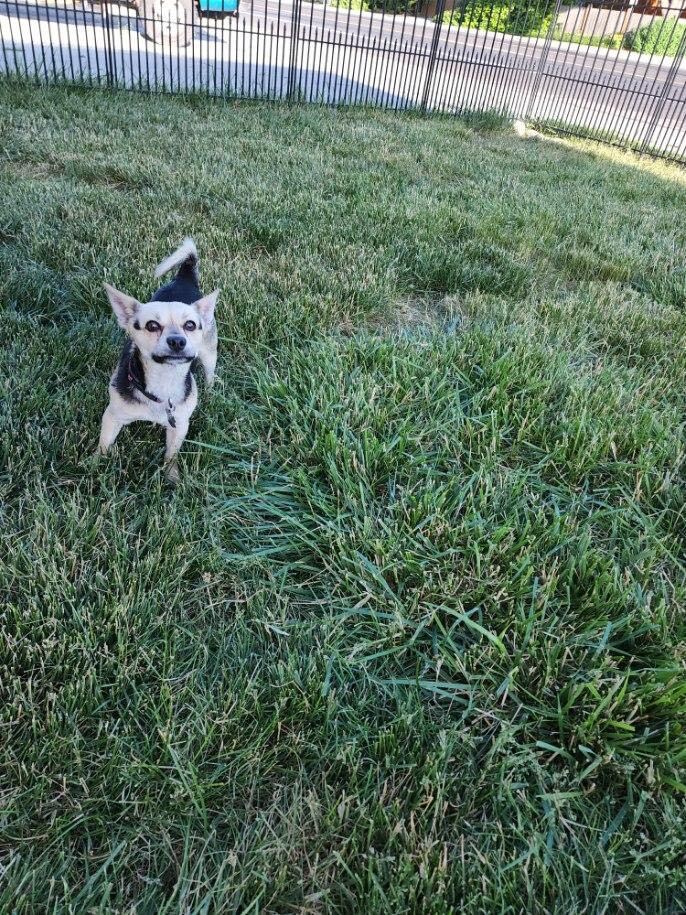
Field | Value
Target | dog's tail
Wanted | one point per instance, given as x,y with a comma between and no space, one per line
185,258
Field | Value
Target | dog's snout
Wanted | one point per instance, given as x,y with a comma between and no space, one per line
176,342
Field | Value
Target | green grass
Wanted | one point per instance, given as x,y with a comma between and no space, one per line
409,636
614,42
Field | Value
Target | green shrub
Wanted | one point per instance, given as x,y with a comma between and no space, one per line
530,17
518,17
594,41
391,7
662,38
479,14
351,4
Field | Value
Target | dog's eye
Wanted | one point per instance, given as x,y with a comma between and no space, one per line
153,327
189,325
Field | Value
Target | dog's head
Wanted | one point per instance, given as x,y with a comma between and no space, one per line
167,332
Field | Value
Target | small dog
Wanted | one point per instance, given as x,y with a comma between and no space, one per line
153,380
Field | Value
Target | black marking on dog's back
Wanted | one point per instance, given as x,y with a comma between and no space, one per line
185,287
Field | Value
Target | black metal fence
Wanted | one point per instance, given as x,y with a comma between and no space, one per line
614,71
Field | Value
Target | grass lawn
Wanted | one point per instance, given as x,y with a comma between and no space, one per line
409,636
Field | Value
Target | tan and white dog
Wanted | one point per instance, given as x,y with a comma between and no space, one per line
153,381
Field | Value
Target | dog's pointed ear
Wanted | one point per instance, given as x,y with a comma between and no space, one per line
124,306
205,306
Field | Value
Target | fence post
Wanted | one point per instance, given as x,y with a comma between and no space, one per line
669,83
109,57
432,56
543,60
293,73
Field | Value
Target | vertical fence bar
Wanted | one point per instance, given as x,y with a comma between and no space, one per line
35,64
63,62
433,53
109,68
662,98
293,57
542,63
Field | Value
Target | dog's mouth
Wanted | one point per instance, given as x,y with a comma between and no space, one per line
173,357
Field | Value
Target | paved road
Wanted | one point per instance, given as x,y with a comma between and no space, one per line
348,56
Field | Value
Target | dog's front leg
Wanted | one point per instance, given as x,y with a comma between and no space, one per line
109,430
209,364
175,437
207,355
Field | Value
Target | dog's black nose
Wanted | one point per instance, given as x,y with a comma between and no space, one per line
176,342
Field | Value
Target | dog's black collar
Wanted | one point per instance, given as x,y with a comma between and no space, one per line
136,378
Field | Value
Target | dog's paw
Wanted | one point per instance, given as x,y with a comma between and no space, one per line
94,461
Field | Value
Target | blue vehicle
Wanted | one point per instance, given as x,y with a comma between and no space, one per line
219,7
